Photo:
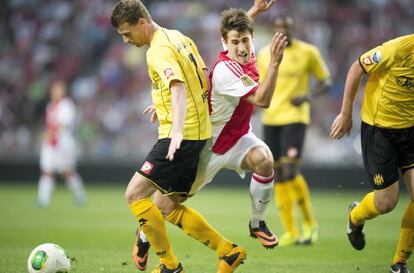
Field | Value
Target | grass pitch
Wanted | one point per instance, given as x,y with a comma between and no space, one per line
99,236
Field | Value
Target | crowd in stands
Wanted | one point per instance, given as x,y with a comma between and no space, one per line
73,40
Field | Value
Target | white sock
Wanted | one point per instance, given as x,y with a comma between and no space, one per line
261,191
143,236
46,185
75,184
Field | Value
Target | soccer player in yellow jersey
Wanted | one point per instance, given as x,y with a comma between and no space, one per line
387,138
179,95
285,123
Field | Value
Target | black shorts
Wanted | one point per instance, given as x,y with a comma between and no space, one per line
385,151
178,175
285,141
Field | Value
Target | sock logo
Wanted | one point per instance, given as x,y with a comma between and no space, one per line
162,253
142,221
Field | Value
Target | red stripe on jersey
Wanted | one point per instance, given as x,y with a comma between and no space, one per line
233,69
237,67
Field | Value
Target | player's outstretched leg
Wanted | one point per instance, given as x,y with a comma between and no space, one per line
356,235
140,251
231,260
261,190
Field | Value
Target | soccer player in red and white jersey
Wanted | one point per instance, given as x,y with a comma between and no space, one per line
57,153
235,92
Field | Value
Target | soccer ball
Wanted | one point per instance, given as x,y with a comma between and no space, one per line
48,258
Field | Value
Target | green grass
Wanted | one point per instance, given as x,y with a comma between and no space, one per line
100,235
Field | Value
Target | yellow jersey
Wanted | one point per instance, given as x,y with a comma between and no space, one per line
389,92
173,56
300,60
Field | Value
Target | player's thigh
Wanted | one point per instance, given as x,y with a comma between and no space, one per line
406,157
259,159
271,136
381,164
292,137
48,159
176,176
409,181
208,166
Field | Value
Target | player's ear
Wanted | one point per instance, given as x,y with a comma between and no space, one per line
142,21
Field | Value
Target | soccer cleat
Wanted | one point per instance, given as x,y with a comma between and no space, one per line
264,235
310,235
161,268
399,268
140,252
287,239
231,260
356,235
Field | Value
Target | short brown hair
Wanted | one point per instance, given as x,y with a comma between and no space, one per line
129,11
235,19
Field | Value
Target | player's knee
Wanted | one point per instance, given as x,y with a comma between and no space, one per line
385,205
264,165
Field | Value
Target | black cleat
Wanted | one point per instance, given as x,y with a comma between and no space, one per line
399,268
264,235
356,235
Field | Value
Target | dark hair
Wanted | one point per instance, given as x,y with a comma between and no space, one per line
235,19
129,11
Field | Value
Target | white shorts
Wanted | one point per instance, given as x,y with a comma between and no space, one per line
210,163
60,158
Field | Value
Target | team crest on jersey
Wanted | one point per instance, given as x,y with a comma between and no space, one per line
367,60
378,179
168,72
247,81
147,167
377,57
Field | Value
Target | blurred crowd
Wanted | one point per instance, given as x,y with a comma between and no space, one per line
73,40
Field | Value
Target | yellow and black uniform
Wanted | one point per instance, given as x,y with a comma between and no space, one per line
174,57
284,132
285,123
387,130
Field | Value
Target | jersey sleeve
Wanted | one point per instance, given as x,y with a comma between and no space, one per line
164,62
378,59
317,66
229,79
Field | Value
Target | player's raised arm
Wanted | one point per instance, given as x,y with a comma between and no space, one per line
264,93
343,122
259,6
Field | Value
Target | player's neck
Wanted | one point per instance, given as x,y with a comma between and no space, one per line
152,28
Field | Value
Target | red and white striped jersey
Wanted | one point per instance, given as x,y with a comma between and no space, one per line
230,112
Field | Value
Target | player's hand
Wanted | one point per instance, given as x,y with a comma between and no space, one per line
151,109
299,100
175,144
263,5
342,125
277,47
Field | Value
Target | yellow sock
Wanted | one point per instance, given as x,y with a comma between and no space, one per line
285,199
406,241
196,226
303,198
365,210
153,225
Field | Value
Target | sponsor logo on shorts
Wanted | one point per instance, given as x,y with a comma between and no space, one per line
147,167
168,72
378,179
